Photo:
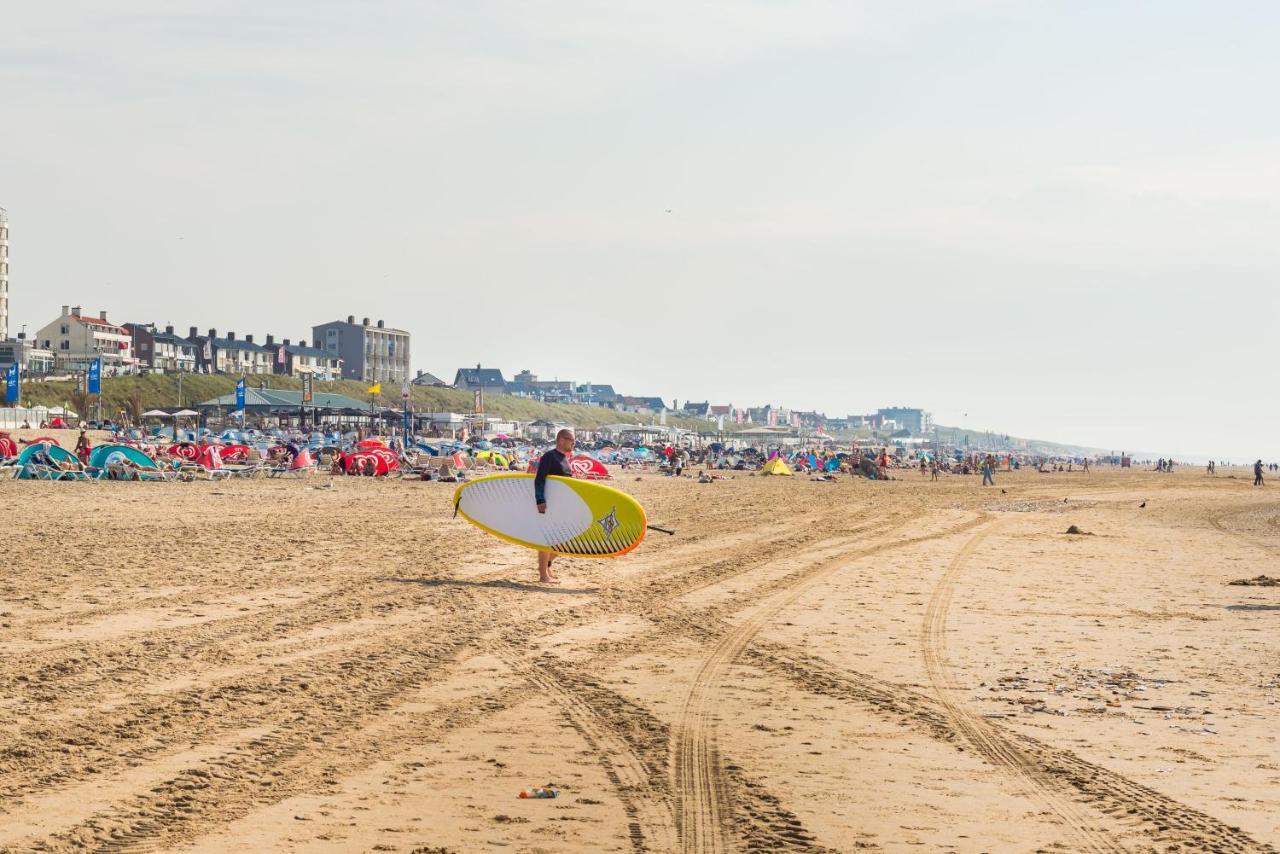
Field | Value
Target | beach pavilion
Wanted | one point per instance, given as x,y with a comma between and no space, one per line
286,406
645,434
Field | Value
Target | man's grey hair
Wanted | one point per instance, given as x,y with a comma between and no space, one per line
565,433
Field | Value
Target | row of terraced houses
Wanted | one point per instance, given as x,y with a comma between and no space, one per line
373,352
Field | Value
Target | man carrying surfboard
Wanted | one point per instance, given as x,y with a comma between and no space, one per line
553,462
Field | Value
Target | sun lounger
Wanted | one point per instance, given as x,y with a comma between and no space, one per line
195,471
117,470
248,472
43,472
290,471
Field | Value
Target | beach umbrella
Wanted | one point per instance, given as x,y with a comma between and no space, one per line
185,450
371,442
355,462
211,457
587,468
390,456
45,440
238,453
156,413
185,413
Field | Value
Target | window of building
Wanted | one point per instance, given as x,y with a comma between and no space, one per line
66,345
64,329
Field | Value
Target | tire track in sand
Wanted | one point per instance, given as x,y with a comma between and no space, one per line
1128,801
988,741
623,738
704,807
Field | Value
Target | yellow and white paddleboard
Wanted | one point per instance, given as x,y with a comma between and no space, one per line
583,519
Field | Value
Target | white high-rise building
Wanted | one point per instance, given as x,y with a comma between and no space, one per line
4,275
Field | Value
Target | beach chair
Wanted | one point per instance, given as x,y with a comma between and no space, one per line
43,472
195,471
291,471
248,472
116,470
301,466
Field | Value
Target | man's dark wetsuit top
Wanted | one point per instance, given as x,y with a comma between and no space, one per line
552,463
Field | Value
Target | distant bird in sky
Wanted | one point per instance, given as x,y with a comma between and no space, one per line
668,210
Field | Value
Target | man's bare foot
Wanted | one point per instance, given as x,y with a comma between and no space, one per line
549,580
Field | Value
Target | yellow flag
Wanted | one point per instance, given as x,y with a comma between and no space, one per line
376,388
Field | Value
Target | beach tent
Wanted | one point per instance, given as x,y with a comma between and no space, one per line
100,456
493,458
45,440
370,443
775,466
56,452
8,447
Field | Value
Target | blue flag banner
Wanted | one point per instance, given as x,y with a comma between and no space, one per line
11,383
95,376
240,395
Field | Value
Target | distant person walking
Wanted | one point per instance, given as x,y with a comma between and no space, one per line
553,462
1212,470
1257,473
987,473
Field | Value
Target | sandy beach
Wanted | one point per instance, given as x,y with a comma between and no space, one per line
284,666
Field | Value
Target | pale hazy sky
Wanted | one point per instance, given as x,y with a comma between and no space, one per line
1062,219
